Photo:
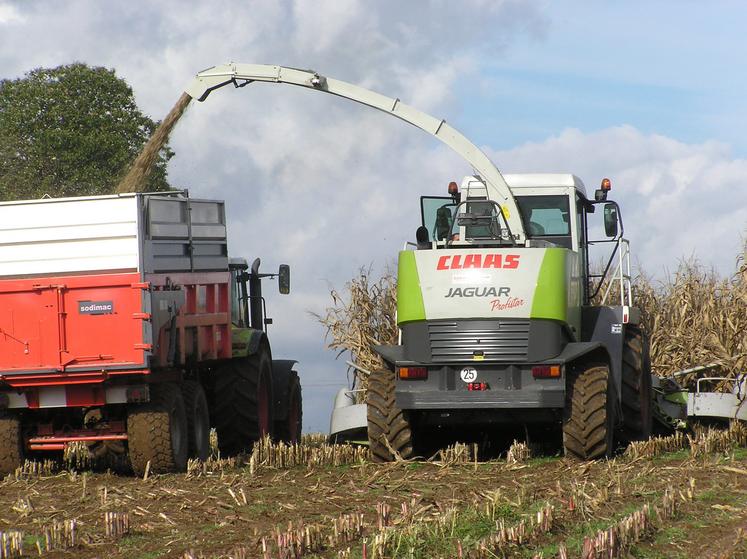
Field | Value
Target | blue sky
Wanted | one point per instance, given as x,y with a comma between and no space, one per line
651,94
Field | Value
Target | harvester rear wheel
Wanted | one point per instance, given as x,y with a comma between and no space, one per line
389,432
11,445
242,412
588,415
157,432
198,419
637,401
289,429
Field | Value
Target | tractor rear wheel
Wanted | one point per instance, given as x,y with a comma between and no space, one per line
637,401
11,445
289,429
157,432
389,432
198,419
242,412
588,414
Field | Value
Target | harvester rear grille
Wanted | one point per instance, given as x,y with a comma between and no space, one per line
497,340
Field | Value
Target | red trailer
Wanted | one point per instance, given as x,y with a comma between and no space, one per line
123,323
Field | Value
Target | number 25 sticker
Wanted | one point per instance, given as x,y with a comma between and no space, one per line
468,374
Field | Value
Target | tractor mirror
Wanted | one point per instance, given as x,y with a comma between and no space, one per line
284,279
610,220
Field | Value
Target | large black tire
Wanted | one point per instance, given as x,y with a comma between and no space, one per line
198,419
242,412
637,397
388,428
289,429
11,445
157,432
588,416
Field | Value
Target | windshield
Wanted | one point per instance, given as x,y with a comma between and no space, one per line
545,216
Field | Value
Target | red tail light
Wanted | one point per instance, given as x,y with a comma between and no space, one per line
413,373
546,371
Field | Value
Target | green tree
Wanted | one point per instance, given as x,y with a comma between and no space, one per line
71,131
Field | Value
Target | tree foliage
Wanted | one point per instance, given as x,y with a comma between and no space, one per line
71,131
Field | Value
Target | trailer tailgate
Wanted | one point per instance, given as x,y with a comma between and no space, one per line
73,323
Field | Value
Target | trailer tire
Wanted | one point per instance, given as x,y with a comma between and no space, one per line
243,402
637,400
289,429
157,432
11,445
198,419
389,432
588,415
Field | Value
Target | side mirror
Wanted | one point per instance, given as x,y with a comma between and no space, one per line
284,279
610,220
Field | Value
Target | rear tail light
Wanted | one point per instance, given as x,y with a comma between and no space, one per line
546,371
413,373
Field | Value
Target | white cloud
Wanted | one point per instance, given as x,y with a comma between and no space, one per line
678,200
9,14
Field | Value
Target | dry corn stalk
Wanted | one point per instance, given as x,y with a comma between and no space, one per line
518,452
695,318
116,524
60,535
11,544
279,455
361,317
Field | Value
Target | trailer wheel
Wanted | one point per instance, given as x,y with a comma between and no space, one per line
243,403
587,418
157,432
389,431
289,430
637,401
198,419
11,445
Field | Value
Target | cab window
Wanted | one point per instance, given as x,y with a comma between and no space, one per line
546,217
437,214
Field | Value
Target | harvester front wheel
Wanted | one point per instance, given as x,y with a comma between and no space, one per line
157,432
289,429
198,419
389,432
242,412
11,445
637,400
588,416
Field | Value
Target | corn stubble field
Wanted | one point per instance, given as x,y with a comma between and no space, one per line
684,495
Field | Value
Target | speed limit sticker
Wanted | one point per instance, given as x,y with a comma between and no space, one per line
468,374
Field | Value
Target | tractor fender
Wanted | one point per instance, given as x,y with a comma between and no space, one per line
281,371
